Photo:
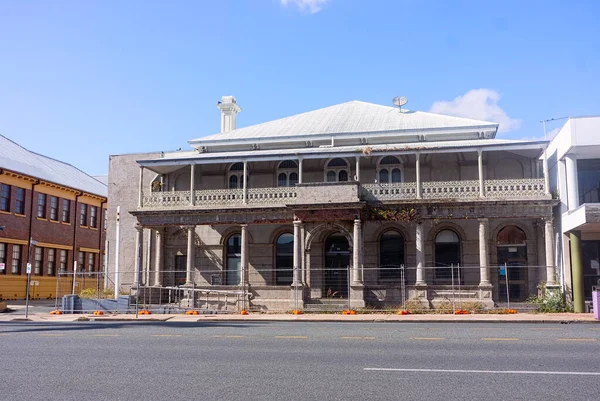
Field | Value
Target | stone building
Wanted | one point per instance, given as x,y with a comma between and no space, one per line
51,215
357,200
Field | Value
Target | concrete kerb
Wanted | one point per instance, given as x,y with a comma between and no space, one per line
559,318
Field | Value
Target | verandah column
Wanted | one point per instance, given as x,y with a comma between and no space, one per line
191,232
357,253
484,270
420,245
480,169
550,269
418,174
139,245
244,256
192,176
141,187
297,253
158,259
577,272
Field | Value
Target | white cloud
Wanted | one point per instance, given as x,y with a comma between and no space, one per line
479,104
312,6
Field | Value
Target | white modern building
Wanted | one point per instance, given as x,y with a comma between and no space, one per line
574,162
357,200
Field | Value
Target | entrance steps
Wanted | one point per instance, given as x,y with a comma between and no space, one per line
521,307
326,305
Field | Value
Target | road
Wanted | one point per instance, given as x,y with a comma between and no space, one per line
298,361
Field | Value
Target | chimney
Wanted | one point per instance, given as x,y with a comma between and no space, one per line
229,110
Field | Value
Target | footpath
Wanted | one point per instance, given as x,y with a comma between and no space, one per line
40,312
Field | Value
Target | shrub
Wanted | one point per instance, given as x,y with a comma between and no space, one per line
548,301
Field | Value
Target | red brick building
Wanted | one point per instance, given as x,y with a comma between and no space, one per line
57,207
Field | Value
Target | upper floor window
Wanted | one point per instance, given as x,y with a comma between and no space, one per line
337,170
66,211
5,197
389,170
287,173
588,175
54,208
93,217
20,205
41,211
236,176
83,215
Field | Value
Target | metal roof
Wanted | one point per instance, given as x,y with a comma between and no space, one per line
346,118
16,158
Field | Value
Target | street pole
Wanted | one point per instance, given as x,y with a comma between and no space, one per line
31,244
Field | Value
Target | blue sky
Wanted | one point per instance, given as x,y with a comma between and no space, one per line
80,80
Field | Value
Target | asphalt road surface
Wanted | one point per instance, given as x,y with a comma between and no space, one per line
298,361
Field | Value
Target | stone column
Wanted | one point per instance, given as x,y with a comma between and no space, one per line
549,237
190,263
484,270
141,188
245,183
420,244
480,166
577,272
300,171
357,253
572,182
297,253
418,175
192,170
158,257
244,257
546,174
139,245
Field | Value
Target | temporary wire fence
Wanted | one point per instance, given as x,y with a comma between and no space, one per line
374,288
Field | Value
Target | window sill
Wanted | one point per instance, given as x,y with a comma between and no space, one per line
20,215
5,212
80,226
93,228
41,218
53,221
65,223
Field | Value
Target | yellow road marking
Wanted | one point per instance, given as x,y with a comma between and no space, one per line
595,328
295,337
166,335
499,339
427,338
106,335
357,338
577,339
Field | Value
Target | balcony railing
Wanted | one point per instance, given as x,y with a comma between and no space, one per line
513,189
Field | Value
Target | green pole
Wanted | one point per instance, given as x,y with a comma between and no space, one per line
577,272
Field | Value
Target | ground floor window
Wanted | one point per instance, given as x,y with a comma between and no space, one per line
2,258
16,259
512,264
591,266
51,258
337,261
180,269
284,259
39,261
233,265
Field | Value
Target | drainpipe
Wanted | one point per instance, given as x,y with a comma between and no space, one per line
100,231
75,223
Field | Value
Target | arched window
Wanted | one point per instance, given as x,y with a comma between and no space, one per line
233,264
337,170
337,260
287,173
447,257
391,255
236,176
284,259
389,170
512,262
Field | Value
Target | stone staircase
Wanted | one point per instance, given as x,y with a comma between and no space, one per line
326,305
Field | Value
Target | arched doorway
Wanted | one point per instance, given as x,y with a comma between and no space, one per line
447,258
337,260
512,264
